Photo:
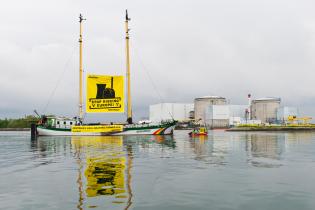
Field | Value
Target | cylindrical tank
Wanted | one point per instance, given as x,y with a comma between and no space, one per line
265,109
201,103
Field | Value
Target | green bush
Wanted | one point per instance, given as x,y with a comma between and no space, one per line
18,123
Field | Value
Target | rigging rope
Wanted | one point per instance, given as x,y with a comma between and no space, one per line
59,80
152,82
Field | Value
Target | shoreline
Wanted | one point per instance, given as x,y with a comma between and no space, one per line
15,129
271,129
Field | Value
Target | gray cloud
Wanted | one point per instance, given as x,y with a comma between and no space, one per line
187,48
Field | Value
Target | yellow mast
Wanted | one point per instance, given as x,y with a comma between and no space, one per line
81,72
129,111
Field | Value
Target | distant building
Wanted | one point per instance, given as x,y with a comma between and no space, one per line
217,116
200,105
168,111
265,109
224,116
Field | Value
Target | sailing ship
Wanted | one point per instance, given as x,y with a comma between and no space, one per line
54,126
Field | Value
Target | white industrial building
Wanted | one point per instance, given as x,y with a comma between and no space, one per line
217,116
201,104
168,111
265,109
223,116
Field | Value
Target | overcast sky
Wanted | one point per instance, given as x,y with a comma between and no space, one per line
180,50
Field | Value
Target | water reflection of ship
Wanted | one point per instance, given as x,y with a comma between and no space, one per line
43,146
107,171
104,164
146,141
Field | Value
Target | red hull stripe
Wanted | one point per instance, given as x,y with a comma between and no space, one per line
159,131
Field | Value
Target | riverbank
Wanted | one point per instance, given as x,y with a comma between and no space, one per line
273,128
15,129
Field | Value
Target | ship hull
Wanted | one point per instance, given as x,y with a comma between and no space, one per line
135,130
147,131
41,131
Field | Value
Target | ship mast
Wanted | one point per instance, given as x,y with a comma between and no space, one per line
129,111
81,72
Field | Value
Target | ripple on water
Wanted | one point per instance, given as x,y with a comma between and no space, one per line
222,171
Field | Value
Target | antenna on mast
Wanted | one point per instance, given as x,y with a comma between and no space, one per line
81,18
127,18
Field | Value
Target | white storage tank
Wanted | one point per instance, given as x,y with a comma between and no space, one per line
265,109
200,105
168,111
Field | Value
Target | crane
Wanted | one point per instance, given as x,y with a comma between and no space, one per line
297,120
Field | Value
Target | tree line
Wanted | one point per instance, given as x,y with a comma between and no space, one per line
18,123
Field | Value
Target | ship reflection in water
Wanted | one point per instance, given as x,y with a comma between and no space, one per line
106,165
106,162
162,172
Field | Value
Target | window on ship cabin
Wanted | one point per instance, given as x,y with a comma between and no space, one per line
57,122
70,123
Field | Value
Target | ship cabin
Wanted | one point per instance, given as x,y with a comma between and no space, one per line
60,122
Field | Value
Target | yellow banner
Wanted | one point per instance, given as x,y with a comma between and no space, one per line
96,128
105,93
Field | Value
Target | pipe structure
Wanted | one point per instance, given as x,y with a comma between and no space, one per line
249,106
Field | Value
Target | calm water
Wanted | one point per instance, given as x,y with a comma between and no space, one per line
223,171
